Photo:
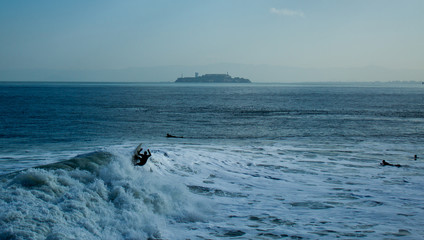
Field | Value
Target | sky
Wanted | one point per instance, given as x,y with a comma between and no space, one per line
111,34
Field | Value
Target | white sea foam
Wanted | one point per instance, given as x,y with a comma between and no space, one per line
188,191
305,190
114,201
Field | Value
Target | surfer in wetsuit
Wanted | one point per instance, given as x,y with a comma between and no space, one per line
140,159
384,163
172,136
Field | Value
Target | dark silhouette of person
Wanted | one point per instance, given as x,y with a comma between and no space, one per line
384,163
172,136
140,159
415,157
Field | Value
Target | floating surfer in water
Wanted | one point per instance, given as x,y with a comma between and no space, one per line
172,136
139,159
384,163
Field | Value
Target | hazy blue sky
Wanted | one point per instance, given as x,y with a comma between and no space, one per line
101,34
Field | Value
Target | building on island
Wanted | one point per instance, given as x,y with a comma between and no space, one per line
212,78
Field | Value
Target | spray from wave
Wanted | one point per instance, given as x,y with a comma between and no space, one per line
94,196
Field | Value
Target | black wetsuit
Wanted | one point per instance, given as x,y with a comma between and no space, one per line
141,159
384,163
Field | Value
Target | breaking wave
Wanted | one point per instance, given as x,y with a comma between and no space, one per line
99,195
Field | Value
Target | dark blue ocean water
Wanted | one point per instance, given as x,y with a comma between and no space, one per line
57,113
319,144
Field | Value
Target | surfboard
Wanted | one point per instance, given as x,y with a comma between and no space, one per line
138,148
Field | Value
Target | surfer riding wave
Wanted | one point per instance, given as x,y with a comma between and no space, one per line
139,158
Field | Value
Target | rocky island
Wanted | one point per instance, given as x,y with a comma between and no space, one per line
212,78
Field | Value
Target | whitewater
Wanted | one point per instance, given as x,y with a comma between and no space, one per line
244,169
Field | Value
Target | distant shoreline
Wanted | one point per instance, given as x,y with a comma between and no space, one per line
257,73
375,83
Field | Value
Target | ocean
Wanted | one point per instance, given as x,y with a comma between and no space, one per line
256,161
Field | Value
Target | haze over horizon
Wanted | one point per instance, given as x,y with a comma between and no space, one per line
316,36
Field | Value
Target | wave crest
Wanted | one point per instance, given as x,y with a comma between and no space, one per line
93,196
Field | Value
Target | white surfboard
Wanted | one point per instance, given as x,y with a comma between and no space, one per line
138,148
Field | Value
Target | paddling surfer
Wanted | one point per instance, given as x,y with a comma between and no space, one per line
172,136
384,163
139,159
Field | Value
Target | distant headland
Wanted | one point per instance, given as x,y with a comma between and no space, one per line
212,78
